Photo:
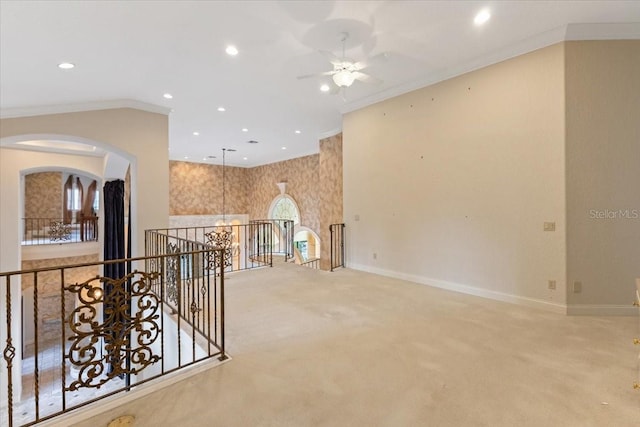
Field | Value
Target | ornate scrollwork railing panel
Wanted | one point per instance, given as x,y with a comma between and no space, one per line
129,307
59,231
173,273
221,237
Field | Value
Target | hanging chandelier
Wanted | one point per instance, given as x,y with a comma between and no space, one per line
222,236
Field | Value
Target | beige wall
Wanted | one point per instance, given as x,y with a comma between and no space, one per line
43,195
452,183
330,193
140,136
603,170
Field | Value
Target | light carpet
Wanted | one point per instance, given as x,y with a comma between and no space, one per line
313,348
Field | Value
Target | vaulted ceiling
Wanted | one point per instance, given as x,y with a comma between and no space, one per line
135,52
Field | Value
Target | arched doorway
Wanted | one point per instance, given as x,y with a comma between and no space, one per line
306,243
23,155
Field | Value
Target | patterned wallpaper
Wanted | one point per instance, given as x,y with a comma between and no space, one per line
49,290
301,176
43,195
330,193
196,189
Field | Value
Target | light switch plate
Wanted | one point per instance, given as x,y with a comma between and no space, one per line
549,226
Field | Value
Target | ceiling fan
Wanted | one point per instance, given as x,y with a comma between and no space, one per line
345,70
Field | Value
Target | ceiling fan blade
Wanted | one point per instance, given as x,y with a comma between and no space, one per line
382,57
331,57
359,75
308,76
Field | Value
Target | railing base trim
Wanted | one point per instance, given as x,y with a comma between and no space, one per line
109,403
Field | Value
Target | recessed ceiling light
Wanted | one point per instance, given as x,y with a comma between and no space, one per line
222,109
186,157
168,96
244,158
298,132
482,17
204,158
284,148
196,133
325,88
66,65
231,50
245,130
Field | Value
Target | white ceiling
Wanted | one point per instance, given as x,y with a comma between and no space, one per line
129,52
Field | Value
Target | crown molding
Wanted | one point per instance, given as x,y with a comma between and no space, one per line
87,106
329,133
622,31
571,32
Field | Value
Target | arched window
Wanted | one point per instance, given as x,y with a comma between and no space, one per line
285,208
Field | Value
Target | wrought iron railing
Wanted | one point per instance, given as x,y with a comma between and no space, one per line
282,239
312,263
245,246
85,336
337,245
47,231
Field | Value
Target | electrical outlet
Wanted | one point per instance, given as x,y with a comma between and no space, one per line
375,255
577,287
552,284
549,226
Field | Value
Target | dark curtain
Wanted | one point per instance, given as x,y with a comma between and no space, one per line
66,194
114,248
114,244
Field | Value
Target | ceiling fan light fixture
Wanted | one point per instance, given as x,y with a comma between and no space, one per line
343,78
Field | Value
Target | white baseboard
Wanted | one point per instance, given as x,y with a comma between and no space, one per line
466,289
602,310
573,309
